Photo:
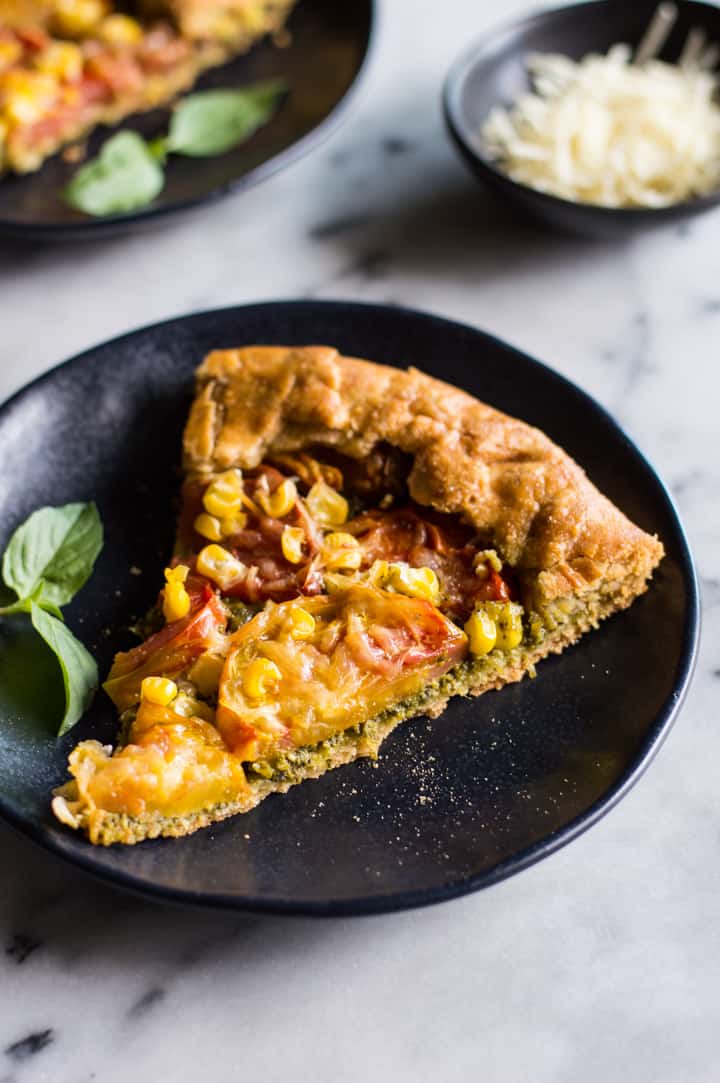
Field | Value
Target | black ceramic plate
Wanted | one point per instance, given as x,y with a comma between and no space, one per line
493,72
329,45
451,806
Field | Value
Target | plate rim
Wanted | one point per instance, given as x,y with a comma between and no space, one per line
404,900
94,228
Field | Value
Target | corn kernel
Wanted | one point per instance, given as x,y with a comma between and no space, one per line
220,566
340,539
27,95
291,542
336,583
221,506
178,574
176,600
279,503
508,618
10,52
61,58
208,527
481,631
234,524
76,18
158,690
260,678
120,30
378,573
205,672
224,28
254,19
223,496
301,623
327,506
341,552
484,560
415,582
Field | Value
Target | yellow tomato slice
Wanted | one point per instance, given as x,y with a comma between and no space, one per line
369,650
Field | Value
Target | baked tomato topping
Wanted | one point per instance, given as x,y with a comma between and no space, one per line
300,672
258,544
416,536
428,540
172,650
171,765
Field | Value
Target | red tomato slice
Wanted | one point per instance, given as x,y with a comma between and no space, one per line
168,653
440,543
369,650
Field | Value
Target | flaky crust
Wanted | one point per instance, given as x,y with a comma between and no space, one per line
523,493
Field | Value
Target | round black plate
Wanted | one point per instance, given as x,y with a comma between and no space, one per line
452,805
329,45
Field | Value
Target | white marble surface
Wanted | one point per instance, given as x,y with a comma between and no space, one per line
601,963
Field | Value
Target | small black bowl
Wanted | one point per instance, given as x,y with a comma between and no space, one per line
492,72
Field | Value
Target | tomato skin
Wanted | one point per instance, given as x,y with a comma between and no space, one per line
93,90
425,539
120,72
500,589
169,652
33,37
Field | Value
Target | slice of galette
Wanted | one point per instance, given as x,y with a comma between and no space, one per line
357,544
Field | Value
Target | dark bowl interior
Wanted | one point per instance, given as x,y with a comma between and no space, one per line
450,806
492,72
328,47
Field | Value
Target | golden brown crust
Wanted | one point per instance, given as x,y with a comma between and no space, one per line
522,492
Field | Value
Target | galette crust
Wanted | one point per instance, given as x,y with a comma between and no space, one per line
525,496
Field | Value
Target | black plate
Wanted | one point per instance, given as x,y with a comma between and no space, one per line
453,805
329,45
493,72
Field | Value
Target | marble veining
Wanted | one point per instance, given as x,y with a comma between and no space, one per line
601,963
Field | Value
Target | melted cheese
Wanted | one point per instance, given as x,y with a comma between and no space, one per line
368,650
610,132
172,766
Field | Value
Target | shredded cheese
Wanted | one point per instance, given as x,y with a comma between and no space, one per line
608,132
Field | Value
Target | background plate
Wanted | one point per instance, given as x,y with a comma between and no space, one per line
329,44
451,806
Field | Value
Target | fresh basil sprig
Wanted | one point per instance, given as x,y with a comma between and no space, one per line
47,560
214,121
124,176
128,172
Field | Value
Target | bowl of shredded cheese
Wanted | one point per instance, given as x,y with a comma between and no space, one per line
599,117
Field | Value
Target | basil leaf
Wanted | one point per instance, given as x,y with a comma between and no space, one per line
54,549
79,669
214,121
125,176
